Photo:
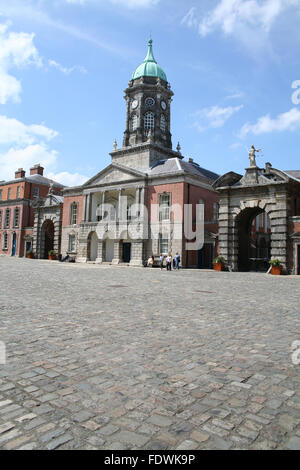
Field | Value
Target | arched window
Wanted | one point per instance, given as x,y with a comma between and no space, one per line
16,217
73,213
163,123
134,122
149,120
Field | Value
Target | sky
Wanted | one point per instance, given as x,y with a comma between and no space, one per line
233,65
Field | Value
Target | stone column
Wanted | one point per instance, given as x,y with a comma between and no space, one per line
102,204
279,222
137,253
120,215
117,252
84,208
88,207
99,258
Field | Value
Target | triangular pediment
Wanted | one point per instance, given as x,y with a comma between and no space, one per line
115,173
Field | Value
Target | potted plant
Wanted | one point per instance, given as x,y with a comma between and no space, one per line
51,255
29,254
276,267
219,263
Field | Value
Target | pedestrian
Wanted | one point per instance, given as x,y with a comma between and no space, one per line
161,261
177,260
150,261
169,262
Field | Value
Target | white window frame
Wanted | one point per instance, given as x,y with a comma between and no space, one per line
72,243
164,206
6,218
134,122
16,217
163,123
73,213
5,241
163,243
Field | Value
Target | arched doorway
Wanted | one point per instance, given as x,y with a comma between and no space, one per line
109,250
47,239
14,244
254,240
92,248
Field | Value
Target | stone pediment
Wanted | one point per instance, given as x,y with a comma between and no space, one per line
115,173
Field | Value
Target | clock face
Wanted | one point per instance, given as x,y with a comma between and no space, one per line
163,105
134,104
149,102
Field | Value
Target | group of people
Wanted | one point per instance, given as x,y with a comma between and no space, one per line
169,261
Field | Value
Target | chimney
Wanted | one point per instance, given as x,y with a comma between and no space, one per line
268,168
191,160
20,173
37,170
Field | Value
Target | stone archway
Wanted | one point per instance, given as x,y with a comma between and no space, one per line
92,247
47,238
253,234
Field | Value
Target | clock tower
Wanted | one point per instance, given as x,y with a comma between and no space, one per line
148,99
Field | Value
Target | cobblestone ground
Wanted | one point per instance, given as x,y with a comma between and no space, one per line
135,358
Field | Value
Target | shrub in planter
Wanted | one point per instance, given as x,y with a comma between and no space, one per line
276,267
51,255
29,254
219,263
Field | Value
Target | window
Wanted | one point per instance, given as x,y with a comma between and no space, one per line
216,211
7,217
0,219
163,123
149,120
73,213
163,244
18,191
134,122
0,194
35,192
5,241
9,193
72,243
149,102
16,217
164,207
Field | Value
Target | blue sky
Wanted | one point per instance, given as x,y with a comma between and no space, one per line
234,66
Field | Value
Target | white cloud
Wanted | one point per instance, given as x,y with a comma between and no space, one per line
288,121
214,116
16,50
248,21
66,70
25,158
124,3
68,179
13,131
230,15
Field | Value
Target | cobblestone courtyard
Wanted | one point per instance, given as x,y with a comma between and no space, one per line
133,358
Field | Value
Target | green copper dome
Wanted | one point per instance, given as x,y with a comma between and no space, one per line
149,68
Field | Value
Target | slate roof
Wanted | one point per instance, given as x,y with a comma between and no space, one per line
293,173
177,165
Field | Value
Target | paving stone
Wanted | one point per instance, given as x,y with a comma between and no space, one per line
293,443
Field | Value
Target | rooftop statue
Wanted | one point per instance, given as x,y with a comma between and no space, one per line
252,152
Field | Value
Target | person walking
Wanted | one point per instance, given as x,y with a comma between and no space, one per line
150,261
161,261
169,262
177,260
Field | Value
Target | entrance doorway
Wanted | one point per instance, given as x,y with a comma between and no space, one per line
126,256
47,238
109,250
92,249
254,240
14,244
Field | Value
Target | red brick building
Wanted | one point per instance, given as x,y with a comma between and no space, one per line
16,211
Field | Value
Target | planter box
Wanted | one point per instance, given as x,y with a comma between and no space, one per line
30,255
276,270
218,266
52,257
